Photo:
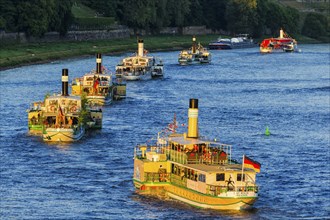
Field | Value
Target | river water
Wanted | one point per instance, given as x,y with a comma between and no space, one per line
239,94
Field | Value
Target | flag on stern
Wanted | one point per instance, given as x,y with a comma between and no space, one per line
248,162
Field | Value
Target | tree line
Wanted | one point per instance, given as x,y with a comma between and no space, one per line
255,17
35,17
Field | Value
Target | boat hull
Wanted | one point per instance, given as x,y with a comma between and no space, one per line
219,46
99,100
230,201
184,62
133,77
222,46
221,203
191,62
204,61
272,50
36,129
63,134
266,49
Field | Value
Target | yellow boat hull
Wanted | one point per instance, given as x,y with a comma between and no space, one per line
196,199
63,135
210,202
266,49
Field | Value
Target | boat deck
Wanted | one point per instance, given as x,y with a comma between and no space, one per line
215,168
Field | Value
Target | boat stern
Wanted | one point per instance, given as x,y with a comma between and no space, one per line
119,90
151,169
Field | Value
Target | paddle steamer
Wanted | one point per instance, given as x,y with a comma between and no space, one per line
194,170
63,117
140,66
196,54
98,85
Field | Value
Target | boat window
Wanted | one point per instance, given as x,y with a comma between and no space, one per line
239,177
53,102
201,178
220,177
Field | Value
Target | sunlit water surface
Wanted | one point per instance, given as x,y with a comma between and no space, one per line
239,94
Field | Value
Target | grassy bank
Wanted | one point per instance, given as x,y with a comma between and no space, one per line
24,54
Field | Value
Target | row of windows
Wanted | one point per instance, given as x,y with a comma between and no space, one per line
191,174
221,177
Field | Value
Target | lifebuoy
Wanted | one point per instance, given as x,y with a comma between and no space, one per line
52,108
73,109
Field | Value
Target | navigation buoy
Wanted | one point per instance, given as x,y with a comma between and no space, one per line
267,132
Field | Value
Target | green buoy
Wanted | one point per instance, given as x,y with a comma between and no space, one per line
267,132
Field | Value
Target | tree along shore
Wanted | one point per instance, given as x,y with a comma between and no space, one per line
15,55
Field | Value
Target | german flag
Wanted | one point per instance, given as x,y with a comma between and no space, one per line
248,162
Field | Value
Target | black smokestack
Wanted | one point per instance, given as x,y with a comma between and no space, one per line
193,103
98,63
65,79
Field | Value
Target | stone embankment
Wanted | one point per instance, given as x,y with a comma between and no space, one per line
119,32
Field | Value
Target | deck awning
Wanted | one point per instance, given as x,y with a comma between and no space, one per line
50,114
188,141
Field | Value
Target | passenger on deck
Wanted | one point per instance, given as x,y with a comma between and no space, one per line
70,122
182,175
33,120
230,184
46,123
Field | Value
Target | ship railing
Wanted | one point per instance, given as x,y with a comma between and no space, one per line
177,180
157,177
36,106
140,151
35,120
219,189
176,156
63,126
196,158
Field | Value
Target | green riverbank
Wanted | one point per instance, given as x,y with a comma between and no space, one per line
24,54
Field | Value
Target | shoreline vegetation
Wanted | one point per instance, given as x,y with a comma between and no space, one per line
16,55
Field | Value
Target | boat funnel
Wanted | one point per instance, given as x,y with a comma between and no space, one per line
193,44
281,33
65,79
140,47
193,119
98,63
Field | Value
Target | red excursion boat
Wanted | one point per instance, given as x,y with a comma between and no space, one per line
283,43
